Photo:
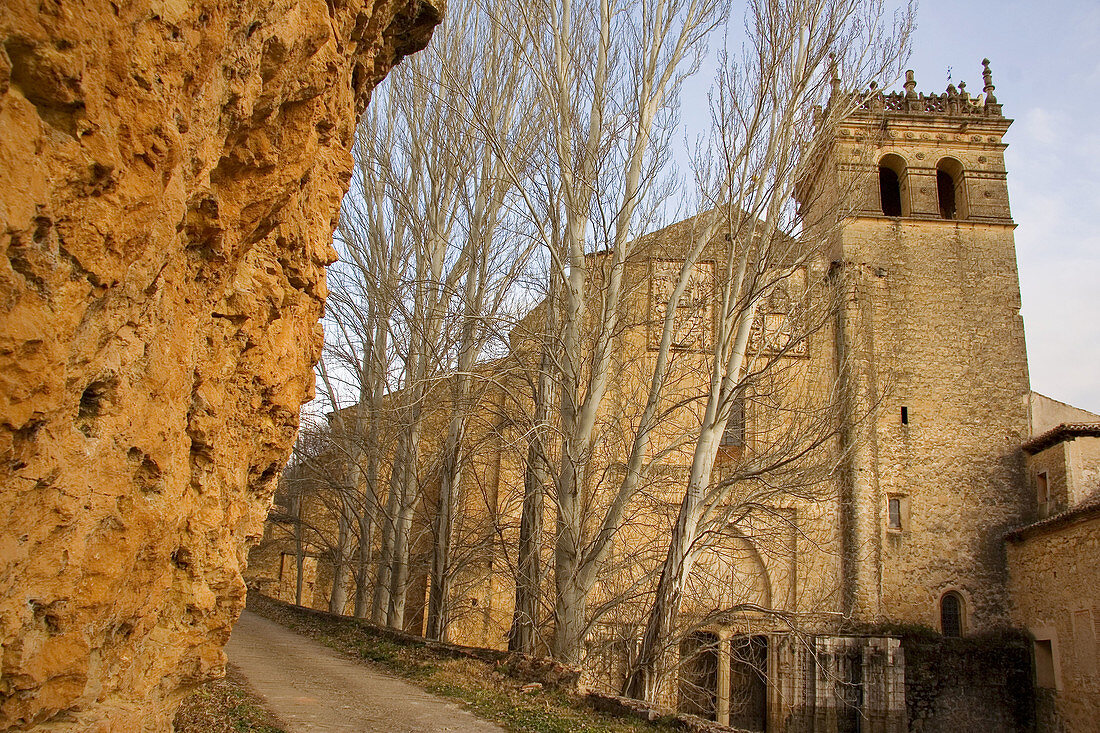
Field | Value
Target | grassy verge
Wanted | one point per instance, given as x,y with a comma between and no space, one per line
226,706
482,686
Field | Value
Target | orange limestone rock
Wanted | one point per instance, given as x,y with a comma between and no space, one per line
170,174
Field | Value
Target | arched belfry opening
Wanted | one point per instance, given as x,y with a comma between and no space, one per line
949,188
891,185
945,190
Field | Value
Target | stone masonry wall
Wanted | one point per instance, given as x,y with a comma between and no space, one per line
933,326
1053,462
1055,597
1084,462
1072,469
171,173
977,683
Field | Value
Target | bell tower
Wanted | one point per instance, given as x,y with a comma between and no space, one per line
930,343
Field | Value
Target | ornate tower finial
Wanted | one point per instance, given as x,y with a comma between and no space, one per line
834,75
991,105
910,91
987,76
874,99
910,85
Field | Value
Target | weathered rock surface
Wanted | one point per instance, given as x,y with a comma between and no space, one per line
170,172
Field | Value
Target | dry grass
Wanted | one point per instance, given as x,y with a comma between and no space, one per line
226,706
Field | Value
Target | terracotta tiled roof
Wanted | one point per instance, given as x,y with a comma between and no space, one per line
1060,433
1087,508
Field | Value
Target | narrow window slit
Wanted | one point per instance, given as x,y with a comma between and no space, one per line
895,513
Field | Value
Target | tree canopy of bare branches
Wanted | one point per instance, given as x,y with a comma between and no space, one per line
527,156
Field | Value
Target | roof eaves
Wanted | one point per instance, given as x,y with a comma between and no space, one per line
1085,510
1061,432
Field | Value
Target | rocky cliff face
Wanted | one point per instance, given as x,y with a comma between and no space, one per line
170,173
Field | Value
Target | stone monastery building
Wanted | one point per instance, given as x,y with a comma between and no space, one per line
948,578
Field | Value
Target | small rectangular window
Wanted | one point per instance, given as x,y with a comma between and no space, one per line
895,513
1042,487
904,415
1044,664
734,434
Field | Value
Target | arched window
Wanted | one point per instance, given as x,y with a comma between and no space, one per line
949,188
891,185
951,614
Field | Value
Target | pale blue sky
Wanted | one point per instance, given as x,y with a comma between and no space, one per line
1045,58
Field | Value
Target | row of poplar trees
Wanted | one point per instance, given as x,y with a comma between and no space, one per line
490,168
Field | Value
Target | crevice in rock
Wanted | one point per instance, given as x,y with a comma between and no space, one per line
42,227
147,475
181,558
23,439
96,397
102,178
78,270
47,616
44,83
20,259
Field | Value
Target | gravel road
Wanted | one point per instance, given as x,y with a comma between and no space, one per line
312,688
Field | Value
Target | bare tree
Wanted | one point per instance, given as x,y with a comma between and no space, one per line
477,65
401,274
607,75
428,263
358,364
537,474
311,498
768,141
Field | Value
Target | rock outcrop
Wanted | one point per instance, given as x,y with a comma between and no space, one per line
170,174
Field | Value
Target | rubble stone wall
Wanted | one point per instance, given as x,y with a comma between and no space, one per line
1053,573
933,331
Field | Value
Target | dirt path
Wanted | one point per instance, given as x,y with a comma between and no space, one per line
312,688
